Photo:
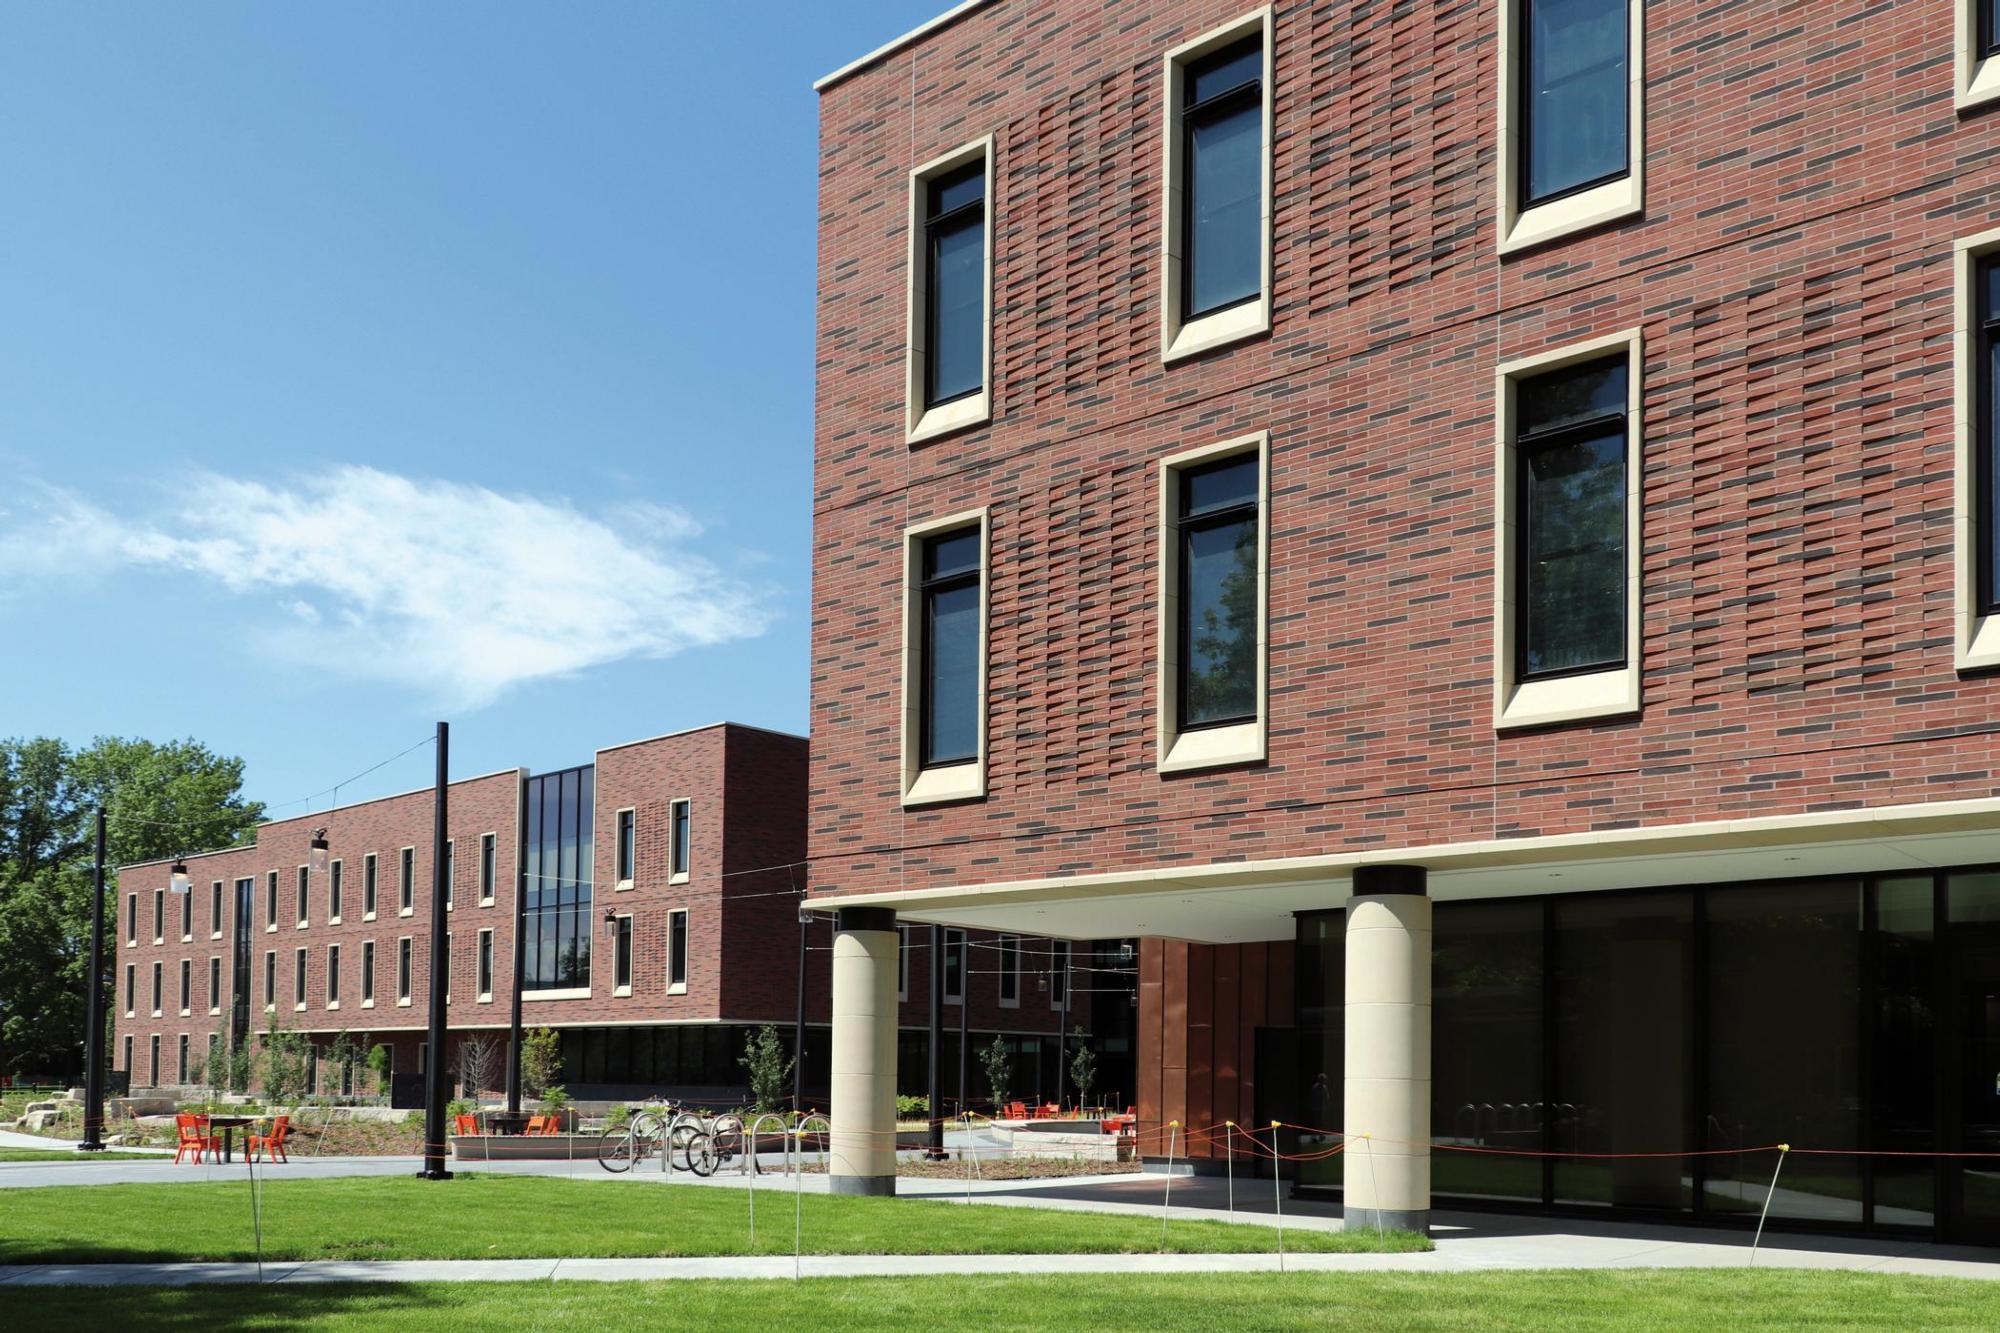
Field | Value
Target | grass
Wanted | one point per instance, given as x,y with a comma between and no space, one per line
1548,1302
479,1216
72,1155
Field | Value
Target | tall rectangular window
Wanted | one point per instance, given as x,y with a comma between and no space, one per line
131,918
407,874
181,1074
187,984
299,978
1218,184
1986,295
558,854
187,914
621,967
485,978
1216,626
677,952
950,332
1566,623
954,966
1010,969
131,989
215,985
270,978
128,1057
368,971
305,891
488,850
333,877
951,648
682,849
368,887
450,870
332,976
627,846
215,909
153,1067
1574,84
271,901
159,915
403,970
156,989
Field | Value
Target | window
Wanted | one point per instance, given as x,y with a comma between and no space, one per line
954,966
159,915
1977,41
153,1072
1214,575
488,851
448,956
131,989
1567,630
368,887
407,870
270,979
1010,970
333,976
305,889
187,985
215,985
215,910
156,989
333,878
621,963
131,918
627,849
128,1058
677,952
485,978
1572,84
1977,537
182,1075
681,816
1217,204
450,870
403,970
1058,974
299,979
902,962
187,914
558,862
367,973
944,664
271,901
950,335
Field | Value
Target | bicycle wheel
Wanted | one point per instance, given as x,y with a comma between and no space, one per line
727,1132
616,1150
700,1154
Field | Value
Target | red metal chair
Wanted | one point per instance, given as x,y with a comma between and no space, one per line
273,1142
191,1135
465,1124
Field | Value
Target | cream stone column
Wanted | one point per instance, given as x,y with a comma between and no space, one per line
1387,1175
862,1149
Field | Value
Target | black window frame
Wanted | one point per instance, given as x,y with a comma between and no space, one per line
299,967
187,913
1517,505
929,587
406,967
215,984
131,918
332,975
159,915
334,887
271,901
131,988
367,971
938,225
489,861
450,873
1986,327
621,954
187,986
270,978
680,927
406,870
305,894
369,885
484,969
159,998
215,907
1524,111
627,845
1186,527
680,836
1194,115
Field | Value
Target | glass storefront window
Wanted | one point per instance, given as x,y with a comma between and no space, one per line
1486,1048
1904,1060
1320,982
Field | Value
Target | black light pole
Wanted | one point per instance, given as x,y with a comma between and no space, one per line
799,1022
93,1008
434,1067
520,950
935,1152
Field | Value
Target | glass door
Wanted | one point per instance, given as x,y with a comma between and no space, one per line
1973,1183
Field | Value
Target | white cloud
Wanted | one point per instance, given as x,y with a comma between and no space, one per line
457,590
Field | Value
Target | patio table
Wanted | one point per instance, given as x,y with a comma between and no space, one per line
229,1124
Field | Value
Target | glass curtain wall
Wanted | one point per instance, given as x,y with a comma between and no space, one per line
556,865
1320,979
1486,1048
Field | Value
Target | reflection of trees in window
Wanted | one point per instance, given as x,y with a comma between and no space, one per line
1571,518
1218,592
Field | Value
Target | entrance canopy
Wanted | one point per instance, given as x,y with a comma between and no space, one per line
1244,901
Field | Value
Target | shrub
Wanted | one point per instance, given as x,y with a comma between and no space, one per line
1083,1066
541,1060
764,1058
912,1108
999,1064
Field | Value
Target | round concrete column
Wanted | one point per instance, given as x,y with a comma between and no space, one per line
862,1150
1388,1062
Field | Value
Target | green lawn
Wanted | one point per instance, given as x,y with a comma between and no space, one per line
1477,1302
479,1216
72,1155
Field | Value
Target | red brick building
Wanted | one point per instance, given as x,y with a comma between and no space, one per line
659,893
1469,524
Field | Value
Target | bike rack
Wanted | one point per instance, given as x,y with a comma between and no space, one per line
750,1166
826,1137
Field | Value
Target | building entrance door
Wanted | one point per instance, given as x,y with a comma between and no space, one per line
1972,1184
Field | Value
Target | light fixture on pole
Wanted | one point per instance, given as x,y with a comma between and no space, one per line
178,879
316,850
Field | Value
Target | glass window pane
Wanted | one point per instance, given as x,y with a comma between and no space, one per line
1226,71
683,837
1571,396
1575,83
1784,1059
1573,593
1219,622
1904,1055
1222,486
956,353
1225,203
953,553
963,186
1320,983
951,665
1989,472
1486,1048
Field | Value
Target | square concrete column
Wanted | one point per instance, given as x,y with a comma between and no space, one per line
1387,1175
862,1148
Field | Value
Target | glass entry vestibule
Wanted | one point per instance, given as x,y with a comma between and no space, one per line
1643,1049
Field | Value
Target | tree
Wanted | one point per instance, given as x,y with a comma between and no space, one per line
764,1057
478,1059
541,1060
284,1057
1082,1065
379,1060
999,1063
161,800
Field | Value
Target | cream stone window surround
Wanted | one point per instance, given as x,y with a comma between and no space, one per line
484,950
1976,77
336,869
1522,229
1975,636
625,931
573,993
678,871
679,920
623,884
1248,742
944,782
973,409
1613,692
1180,339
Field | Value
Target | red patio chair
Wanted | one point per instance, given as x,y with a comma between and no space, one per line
190,1132
273,1142
465,1124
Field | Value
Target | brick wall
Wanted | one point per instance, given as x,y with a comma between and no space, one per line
1806,175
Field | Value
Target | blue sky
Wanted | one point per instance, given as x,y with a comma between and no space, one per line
363,364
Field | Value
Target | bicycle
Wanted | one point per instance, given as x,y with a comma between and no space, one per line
645,1134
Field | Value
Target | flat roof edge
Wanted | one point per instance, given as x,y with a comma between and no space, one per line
896,44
